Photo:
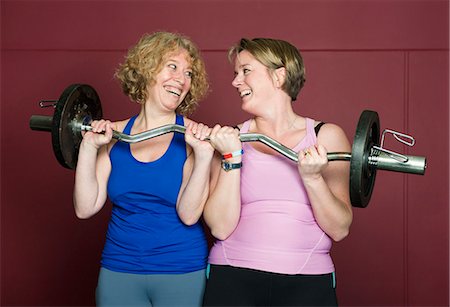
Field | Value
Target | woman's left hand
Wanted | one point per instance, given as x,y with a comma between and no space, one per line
195,136
312,161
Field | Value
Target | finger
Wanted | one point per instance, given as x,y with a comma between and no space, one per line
204,132
215,129
99,126
322,151
109,130
188,129
304,154
199,131
194,128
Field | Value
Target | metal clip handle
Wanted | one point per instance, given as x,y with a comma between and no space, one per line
48,103
401,137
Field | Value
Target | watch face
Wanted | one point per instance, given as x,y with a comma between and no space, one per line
227,166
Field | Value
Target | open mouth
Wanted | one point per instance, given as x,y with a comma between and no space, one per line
245,93
173,91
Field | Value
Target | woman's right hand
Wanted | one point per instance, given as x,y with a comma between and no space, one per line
101,133
225,139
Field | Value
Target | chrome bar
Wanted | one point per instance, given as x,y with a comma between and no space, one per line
41,123
384,161
339,156
392,154
378,159
244,137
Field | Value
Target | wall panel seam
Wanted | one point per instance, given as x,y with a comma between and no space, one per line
405,180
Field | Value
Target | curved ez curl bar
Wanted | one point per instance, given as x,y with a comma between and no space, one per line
79,104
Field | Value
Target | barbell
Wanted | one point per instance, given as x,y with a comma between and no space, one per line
79,104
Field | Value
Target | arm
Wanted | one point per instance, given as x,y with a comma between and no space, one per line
195,186
327,184
93,169
223,207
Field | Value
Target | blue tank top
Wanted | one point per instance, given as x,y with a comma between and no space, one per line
145,234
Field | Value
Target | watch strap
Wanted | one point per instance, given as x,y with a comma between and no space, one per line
228,166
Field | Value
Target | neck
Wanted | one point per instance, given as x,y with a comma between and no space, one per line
150,118
277,121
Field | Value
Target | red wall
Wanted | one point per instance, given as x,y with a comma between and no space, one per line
388,56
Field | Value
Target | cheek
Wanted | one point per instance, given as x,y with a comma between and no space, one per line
188,84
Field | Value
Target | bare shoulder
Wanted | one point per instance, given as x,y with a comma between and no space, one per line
120,125
333,137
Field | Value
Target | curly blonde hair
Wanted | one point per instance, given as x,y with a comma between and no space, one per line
275,53
146,59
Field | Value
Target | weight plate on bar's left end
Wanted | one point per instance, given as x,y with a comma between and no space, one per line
76,102
362,175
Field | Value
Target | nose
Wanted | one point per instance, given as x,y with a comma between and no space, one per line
237,81
180,79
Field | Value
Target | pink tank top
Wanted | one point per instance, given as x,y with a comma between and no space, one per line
277,231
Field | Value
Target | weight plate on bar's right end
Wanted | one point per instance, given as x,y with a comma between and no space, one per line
362,175
77,102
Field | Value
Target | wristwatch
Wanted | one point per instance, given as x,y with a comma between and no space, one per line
228,166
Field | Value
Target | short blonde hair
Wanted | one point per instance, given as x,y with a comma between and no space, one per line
145,60
275,53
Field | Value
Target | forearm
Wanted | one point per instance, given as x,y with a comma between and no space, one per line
193,198
223,208
86,189
332,213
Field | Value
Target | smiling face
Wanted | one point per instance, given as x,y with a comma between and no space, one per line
253,81
173,82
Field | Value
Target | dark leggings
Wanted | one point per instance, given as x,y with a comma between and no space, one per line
230,286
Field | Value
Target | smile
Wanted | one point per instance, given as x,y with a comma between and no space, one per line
245,93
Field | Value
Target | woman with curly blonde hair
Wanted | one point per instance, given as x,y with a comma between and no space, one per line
155,251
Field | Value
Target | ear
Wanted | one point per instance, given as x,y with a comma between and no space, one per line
280,76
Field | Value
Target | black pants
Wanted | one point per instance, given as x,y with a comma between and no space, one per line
230,286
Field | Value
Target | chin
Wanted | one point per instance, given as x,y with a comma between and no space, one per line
246,107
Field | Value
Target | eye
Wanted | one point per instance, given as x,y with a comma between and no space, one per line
188,74
246,71
173,66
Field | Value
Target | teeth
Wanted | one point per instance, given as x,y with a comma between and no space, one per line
245,93
174,91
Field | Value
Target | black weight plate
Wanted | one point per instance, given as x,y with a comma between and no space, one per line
77,102
362,175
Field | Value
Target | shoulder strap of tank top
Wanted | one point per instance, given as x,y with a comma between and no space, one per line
317,128
179,120
246,126
129,125
309,126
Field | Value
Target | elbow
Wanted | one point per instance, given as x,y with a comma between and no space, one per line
341,235
188,219
82,215
82,212
343,228
221,233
